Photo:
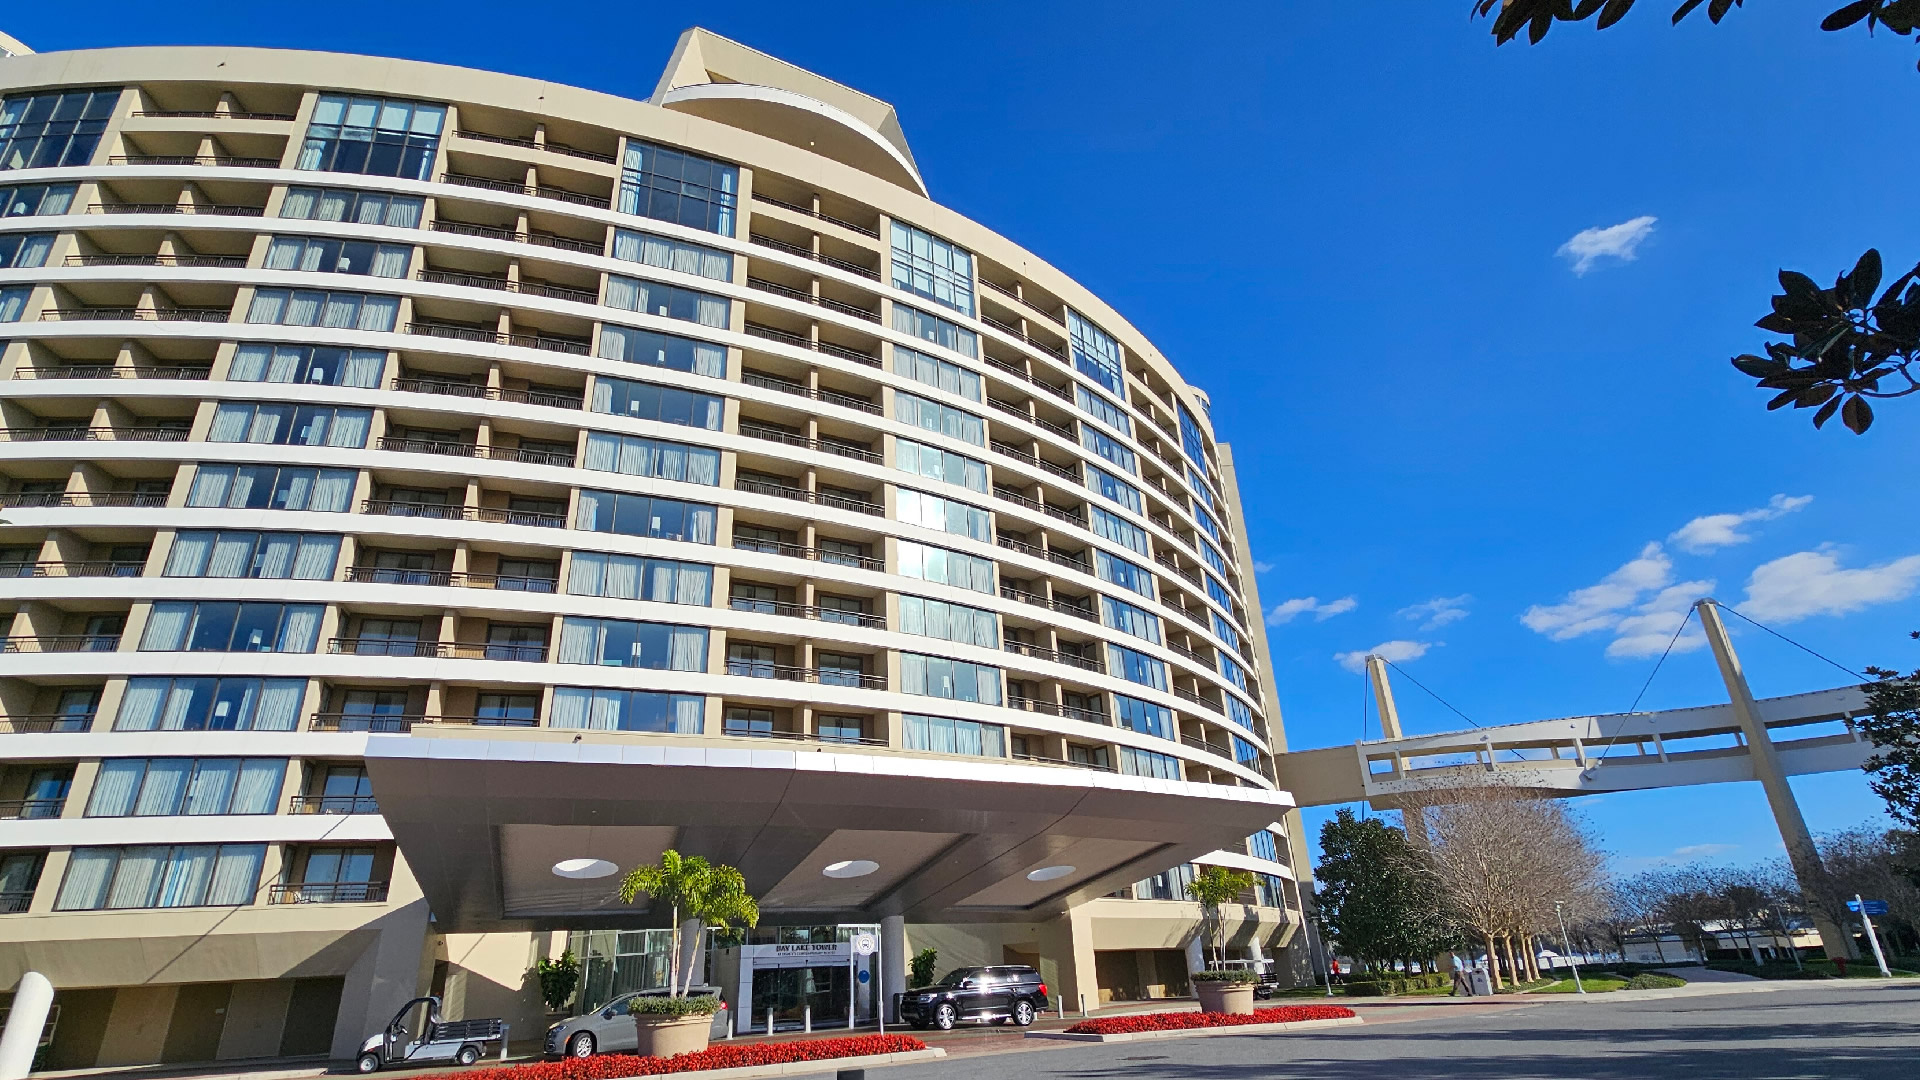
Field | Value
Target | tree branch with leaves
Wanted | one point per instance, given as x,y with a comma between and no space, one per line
692,888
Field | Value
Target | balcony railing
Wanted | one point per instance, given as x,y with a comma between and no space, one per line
818,498
527,288
1042,759
1085,663
1168,562
455,332
442,512
333,804
827,446
225,261
1211,748
845,401
43,499
14,902
15,809
808,611
216,209
385,725
441,447
538,239
111,371
1010,330
209,114
1189,696
60,643
135,314
444,650
385,575
95,434
808,298
807,211
1063,606
222,160
1018,299
754,669
57,568
802,736
487,393
540,191
45,724
827,260
801,551
330,892
529,144
797,341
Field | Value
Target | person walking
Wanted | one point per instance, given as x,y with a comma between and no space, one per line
1461,987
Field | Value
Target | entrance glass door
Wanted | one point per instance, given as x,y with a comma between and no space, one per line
789,992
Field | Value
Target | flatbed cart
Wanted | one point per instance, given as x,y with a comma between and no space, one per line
418,1036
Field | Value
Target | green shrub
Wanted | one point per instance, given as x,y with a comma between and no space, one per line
1364,988
1652,981
661,1005
1236,976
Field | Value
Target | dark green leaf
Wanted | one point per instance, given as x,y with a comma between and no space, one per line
1615,10
1686,9
1755,366
1848,15
1864,281
1798,285
1782,400
1718,9
1857,415
1826,413
1816,394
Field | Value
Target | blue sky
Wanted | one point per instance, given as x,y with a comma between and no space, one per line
1345,221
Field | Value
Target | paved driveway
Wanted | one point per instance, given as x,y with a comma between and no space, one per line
1834,1030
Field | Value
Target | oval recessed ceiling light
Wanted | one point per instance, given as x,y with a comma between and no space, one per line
584,869
851,868
1048,873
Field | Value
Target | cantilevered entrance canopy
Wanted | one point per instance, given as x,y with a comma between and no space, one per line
484,815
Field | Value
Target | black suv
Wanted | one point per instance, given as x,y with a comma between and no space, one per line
996,994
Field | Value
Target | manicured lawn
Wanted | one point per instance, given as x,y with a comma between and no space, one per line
1595,984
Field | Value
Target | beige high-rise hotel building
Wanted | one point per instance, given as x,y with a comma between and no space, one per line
428,493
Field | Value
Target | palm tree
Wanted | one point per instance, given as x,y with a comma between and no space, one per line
1212,887
694,889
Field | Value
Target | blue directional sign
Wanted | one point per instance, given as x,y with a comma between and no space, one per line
1874,907
863,977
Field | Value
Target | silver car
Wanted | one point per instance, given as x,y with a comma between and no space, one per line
609,1030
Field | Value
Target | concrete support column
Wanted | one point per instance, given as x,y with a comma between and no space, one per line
383,977
1067,942
893,962
1801,852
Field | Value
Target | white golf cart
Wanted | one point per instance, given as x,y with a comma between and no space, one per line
418,1036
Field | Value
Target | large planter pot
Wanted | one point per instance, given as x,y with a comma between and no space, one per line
665,1036
1224,997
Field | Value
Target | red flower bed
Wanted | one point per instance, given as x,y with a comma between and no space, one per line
1181,1021
719,1056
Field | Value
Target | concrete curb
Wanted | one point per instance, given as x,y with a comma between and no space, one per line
1187,1033
802,1068
1690,990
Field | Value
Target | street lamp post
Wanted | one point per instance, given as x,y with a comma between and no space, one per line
1322,962
1566,940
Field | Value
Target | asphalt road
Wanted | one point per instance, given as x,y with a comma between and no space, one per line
1829,1032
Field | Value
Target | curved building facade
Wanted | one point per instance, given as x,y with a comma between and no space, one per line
424,489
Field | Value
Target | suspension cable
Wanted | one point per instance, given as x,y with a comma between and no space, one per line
1795,644
1631,709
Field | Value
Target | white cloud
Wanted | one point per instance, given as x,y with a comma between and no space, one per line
1620,241
1647,632
1631,864
1438,611
1287,610
1701,851
1601,606
1262,567
1397,651
1714,531
1813,583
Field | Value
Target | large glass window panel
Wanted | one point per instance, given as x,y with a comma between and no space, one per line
655,349
667,301
666,254
1126,618
626,643
24,251
654,458
358,207
941,419
1109,448
1115,489
1147,763
1135,666
949,622
35,200
1112,526
1218,592
627,710
1234,674
1240,713
631,577
265,487
925,265
929,563
672,185
941,374
946,515
1117,571
937,464
315,365
1095,353
53,128
197,553
374,136
1144,717
334,255
944,735
319,307
642,515
1225,631
934,329
1193,442
1102,410
646,401
939,676
13,302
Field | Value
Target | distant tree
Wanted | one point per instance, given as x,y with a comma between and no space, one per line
1378,902
1867,861
920,969
1893,727
1847,346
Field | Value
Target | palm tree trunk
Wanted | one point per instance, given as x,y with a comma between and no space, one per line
673,960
